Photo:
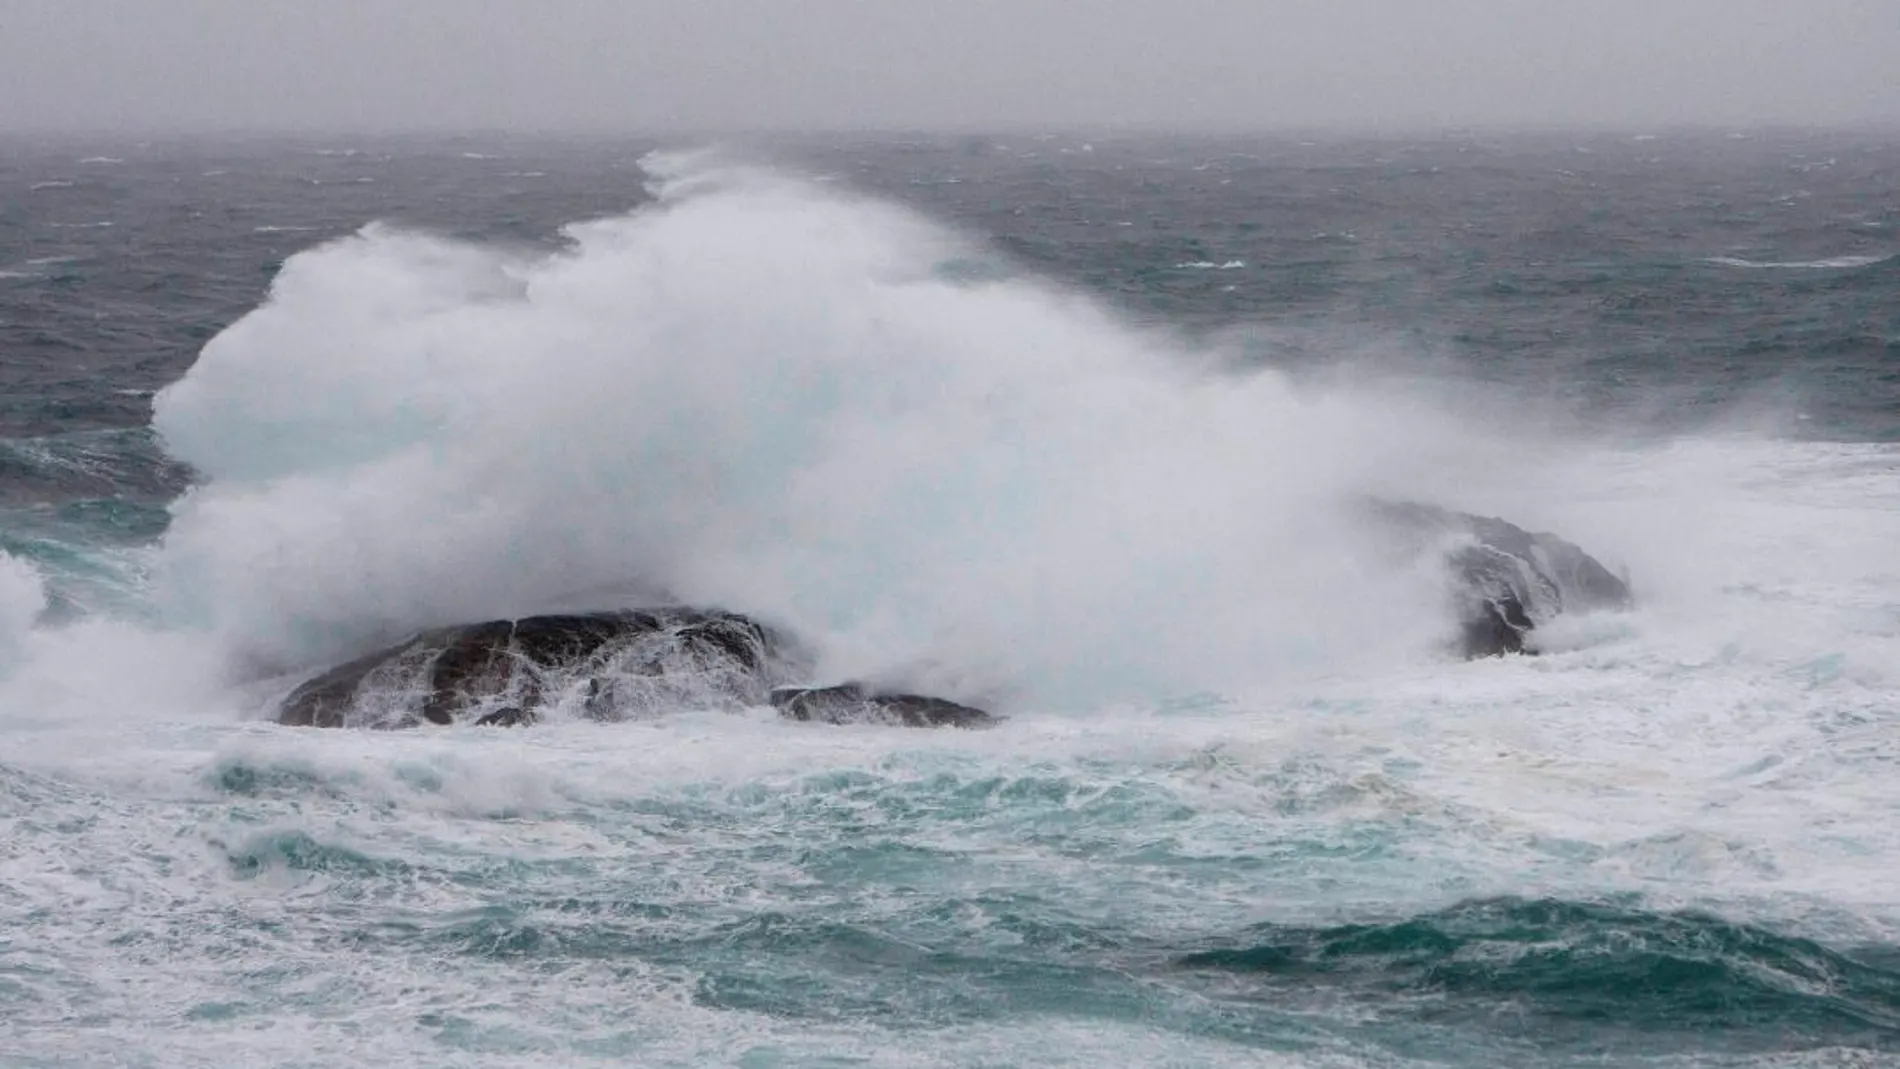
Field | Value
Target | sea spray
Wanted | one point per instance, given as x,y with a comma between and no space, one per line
22,600
766,396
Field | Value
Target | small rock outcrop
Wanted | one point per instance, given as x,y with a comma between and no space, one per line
601,665
855,703
1506,581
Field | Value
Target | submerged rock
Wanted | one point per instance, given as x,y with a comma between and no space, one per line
854,703
1506,580
603,665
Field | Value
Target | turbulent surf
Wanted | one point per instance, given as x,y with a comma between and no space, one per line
1392,649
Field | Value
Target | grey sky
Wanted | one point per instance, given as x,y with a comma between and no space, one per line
658,65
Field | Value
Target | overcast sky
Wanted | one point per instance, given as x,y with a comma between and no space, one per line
672,65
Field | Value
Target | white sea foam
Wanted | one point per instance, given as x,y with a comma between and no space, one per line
1828,263
35,268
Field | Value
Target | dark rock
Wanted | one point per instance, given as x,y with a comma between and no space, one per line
1506,581
736,637
328,700
477,663
854,703
499,672
508,716
618,664
1490,623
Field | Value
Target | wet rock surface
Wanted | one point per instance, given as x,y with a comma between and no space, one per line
1506,581
599,665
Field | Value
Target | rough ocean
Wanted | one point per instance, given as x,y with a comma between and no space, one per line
1060,425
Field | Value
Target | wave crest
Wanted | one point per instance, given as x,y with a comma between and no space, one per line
1591,964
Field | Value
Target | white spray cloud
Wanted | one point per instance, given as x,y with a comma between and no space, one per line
22,599
762,395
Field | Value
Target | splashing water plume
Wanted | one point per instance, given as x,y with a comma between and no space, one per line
22,599
784,401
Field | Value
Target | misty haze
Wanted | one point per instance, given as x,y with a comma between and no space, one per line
646,66
797,534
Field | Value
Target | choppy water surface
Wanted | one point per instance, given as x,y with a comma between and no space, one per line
1057,424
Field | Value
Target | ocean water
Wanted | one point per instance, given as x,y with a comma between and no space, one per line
1069,428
